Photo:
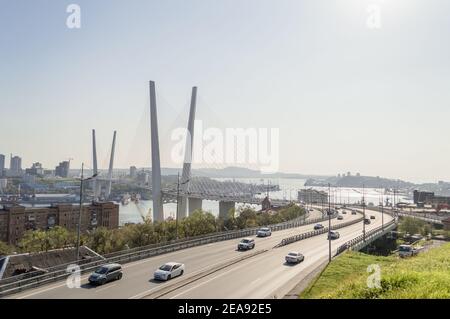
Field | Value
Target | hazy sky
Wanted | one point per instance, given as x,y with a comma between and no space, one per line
345,97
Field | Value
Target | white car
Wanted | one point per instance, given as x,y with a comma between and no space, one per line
246,244
294,257
264,232
169,271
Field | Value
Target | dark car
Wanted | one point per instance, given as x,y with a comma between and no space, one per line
353,212
318,226
106,273
367,221
372,217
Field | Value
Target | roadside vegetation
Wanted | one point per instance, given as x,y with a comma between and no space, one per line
426,275
104,240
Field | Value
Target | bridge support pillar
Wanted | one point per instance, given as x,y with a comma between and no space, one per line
224,208
194,204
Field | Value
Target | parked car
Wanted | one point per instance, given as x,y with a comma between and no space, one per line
407,251
333,235
169,271
294,257
246,244
366,221
340,217
106,273
372,216
318,226
264,232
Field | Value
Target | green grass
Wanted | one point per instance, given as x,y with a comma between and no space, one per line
424,276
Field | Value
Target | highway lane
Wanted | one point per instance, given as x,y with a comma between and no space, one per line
136,281
266,275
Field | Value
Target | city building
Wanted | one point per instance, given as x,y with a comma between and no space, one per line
36,170
62,170
422,197
266,204
133,172
428,198
312,196
15,167
15,220
2,165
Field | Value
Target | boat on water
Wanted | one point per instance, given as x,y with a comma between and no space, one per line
136,198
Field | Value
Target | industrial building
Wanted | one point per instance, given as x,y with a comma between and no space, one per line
312,196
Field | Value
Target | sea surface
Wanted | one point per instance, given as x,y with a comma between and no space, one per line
134,212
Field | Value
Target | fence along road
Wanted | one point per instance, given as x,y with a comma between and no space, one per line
266,275
137,279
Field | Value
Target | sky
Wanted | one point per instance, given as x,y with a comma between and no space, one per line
345,95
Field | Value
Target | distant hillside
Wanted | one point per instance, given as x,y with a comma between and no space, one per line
240,172
359,181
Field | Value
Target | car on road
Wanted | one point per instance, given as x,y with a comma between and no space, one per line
340,217
294,257
344,212
372,216
311,209
366,221
106,273
353,212
333,235
407,251
318,226
264,232
169,271
246,244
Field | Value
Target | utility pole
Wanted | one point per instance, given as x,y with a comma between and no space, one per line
178,196
329,223
81,209
382,212
364,215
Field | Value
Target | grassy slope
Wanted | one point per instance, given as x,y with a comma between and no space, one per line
424,276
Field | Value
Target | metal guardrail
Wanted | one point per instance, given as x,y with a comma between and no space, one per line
369,236
225,235
57,273
293,239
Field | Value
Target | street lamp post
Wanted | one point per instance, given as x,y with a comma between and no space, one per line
329,224
364,215
81,209
382,212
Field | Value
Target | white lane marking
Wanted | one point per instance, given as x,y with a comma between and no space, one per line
211,279
82,278
107,287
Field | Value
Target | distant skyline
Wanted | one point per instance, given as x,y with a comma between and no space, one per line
345,97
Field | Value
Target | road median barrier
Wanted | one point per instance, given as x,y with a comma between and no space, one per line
293,239
197,276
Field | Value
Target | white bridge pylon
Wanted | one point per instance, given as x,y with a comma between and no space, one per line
158,211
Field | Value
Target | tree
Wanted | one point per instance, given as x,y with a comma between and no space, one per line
5,249
35,241
411,225
199,223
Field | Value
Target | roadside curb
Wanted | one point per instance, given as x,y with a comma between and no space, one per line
307,281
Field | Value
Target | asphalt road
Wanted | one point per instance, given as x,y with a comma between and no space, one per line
257,277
